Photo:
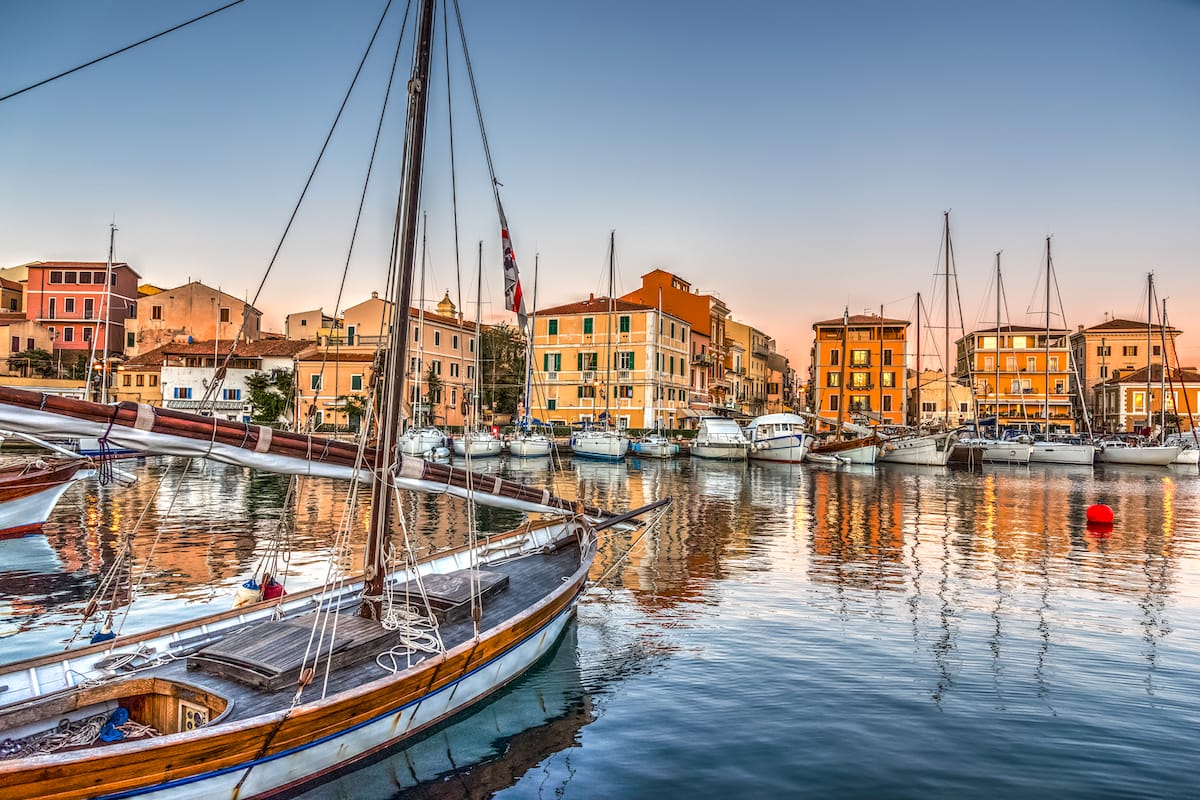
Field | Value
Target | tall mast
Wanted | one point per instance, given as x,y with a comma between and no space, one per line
417,404
1046,375
946,330
529,346
476,408
881,362
107,300
1149,318
842,371
654,362
405,240
1162,372
996,424
918,362
612,249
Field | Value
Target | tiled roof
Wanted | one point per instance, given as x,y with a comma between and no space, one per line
7,284
263,348
9,317
1188,376
860,319
594,305
1016,329
1123,325
316,353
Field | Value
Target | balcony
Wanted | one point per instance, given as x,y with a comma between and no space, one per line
587,376
624,375
551,376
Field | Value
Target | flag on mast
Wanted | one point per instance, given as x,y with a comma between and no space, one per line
514,300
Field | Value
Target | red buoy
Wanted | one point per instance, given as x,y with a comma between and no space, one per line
1101,530
1100,513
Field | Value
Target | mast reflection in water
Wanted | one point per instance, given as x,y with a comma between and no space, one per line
884,631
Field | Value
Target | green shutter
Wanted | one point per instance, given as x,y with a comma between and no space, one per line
579,359
632,360
558,362
545,362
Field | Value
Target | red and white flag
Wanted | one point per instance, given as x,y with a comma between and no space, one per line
514,300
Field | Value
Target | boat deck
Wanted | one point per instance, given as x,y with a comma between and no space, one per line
358,641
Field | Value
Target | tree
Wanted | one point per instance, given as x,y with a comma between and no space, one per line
272,396
502,382
354,406
33,362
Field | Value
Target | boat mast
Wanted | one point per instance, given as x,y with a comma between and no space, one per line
612,248
404,240
417,404
946,331
1149,319
529,347
881,362
1046,370
918,362
842,371
996,424
477,390
654,364
108,273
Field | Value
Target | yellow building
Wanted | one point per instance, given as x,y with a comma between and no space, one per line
1121,401
858,367
927,401
1117,345
587,361
1017,377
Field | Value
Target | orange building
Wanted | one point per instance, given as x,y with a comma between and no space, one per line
858,367
1121,401
1018,377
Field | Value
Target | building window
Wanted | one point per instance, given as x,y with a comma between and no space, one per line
551,404
1104,372
416,334
860,380
625,360
454,341
888,379
1054,363
68,305
453,369
1010,364
623,323
833,402
303,323
928,407
887,402
68,334
314,382
130,310
29,343
833,379
587,361
1156,350
587,390
835,357
224,314
89,308
356,383
471,345
470,372
588,325
87,334
97,277
56,277
624,391
1104,351
153,380
70,277
437,338
183,393
233,394
141,380
16,344
552,327
1129,350
552,362
887,358
126,380
130,339
156,312
860,358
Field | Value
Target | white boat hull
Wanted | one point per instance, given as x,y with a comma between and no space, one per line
418,443
1056,453
721,451
655,448
786,449
867,454
604,446
1188,457
1137,456
530,447
478,447
928,451
992,452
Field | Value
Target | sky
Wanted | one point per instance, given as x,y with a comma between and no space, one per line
793,158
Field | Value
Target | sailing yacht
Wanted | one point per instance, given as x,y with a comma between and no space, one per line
604,442
260,701
528,442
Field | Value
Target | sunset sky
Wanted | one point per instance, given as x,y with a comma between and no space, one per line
792,157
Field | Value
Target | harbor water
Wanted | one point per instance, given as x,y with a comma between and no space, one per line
784,631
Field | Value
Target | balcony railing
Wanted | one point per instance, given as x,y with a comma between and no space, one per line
702,360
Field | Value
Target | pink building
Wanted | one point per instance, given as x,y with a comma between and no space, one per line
70,299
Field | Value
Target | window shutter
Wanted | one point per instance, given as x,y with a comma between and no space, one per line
579,366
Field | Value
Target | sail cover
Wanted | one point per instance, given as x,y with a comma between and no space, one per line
159,431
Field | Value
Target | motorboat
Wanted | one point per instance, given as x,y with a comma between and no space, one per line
720,438
655,445
599,443
782,438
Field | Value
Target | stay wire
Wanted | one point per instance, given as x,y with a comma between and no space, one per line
220,376
126,48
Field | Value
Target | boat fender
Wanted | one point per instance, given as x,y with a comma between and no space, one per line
272,589
889,447
105,634
111,732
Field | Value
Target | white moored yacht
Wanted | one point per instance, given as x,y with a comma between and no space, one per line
720,438
778,437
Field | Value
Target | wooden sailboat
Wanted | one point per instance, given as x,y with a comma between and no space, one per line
837,450
30,488
604,442
253,703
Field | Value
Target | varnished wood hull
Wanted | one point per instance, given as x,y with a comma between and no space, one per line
273,752
28,496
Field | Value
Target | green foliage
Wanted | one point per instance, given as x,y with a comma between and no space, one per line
502,378
354,406
272,396
33,363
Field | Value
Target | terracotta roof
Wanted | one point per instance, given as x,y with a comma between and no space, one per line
1188,376
433,316
9,317
594,305
860,319
1123,325
314,353
7,284
263,348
